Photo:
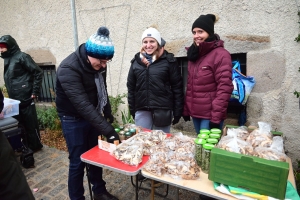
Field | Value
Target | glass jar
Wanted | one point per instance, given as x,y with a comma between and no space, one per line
198,150
122,135
206,131
216,130
128,135
206,157
203,136
132,131
215,135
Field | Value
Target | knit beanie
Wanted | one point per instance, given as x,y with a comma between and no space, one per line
99,45
3,45
152,32
205,22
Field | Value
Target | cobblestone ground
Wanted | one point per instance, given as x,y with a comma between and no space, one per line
50,176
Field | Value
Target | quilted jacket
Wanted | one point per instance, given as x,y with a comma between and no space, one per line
209,84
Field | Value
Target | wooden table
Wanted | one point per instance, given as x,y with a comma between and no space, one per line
202,185
101,158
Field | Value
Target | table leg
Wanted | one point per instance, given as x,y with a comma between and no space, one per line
176,193
152,189
87,167
136,187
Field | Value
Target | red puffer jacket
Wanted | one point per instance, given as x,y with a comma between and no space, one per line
209,84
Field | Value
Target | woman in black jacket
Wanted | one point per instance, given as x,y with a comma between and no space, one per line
155,91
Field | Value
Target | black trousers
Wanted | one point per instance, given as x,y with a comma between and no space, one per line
28,118
13,183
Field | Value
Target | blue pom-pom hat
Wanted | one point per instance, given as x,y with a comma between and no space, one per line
99,45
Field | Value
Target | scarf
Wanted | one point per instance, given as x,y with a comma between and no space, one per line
101,92
193,51
149,57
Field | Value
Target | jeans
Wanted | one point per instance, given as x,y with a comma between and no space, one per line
81,136
200,123
143,118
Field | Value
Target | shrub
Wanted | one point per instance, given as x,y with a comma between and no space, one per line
48,118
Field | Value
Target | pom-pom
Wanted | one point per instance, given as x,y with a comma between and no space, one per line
103,31
217,18
153,26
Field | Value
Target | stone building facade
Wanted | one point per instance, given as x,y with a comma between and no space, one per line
262,30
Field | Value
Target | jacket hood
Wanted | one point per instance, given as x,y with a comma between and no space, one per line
12,46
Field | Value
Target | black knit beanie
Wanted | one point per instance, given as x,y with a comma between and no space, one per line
205,22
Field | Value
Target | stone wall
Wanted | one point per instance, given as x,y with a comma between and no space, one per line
264,30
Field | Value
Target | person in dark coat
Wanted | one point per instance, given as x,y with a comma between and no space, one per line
13,183
209,83
23,79
154,83
83,107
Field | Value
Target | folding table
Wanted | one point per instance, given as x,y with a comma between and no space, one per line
101,158
202,185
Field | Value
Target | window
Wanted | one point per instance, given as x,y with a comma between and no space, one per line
47,93
183,64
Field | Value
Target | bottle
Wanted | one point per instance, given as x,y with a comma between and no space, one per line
128,135
206,157
198,150
216,130
206,131
122,135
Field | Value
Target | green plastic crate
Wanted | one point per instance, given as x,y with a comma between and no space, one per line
267,177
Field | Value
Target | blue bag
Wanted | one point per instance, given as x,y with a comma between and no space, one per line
243,85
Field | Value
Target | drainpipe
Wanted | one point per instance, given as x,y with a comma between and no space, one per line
75,33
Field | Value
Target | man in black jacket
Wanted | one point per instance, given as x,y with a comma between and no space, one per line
23,79
84,109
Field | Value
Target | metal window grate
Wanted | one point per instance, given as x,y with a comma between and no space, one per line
48,84
183,64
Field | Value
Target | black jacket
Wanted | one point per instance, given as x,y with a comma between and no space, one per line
158,86
76,91
22,76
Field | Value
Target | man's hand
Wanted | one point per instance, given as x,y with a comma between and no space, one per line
112,136
109,118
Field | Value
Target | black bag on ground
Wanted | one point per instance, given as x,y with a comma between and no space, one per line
161,117
26,158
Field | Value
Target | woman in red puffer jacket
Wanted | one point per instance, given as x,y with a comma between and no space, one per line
209,84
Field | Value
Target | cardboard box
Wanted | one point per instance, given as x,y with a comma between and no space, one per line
11,107
267,177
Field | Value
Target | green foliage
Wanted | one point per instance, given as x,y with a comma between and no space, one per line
297,177
48,118
4,91
297,39
115,102
126,117
296,93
